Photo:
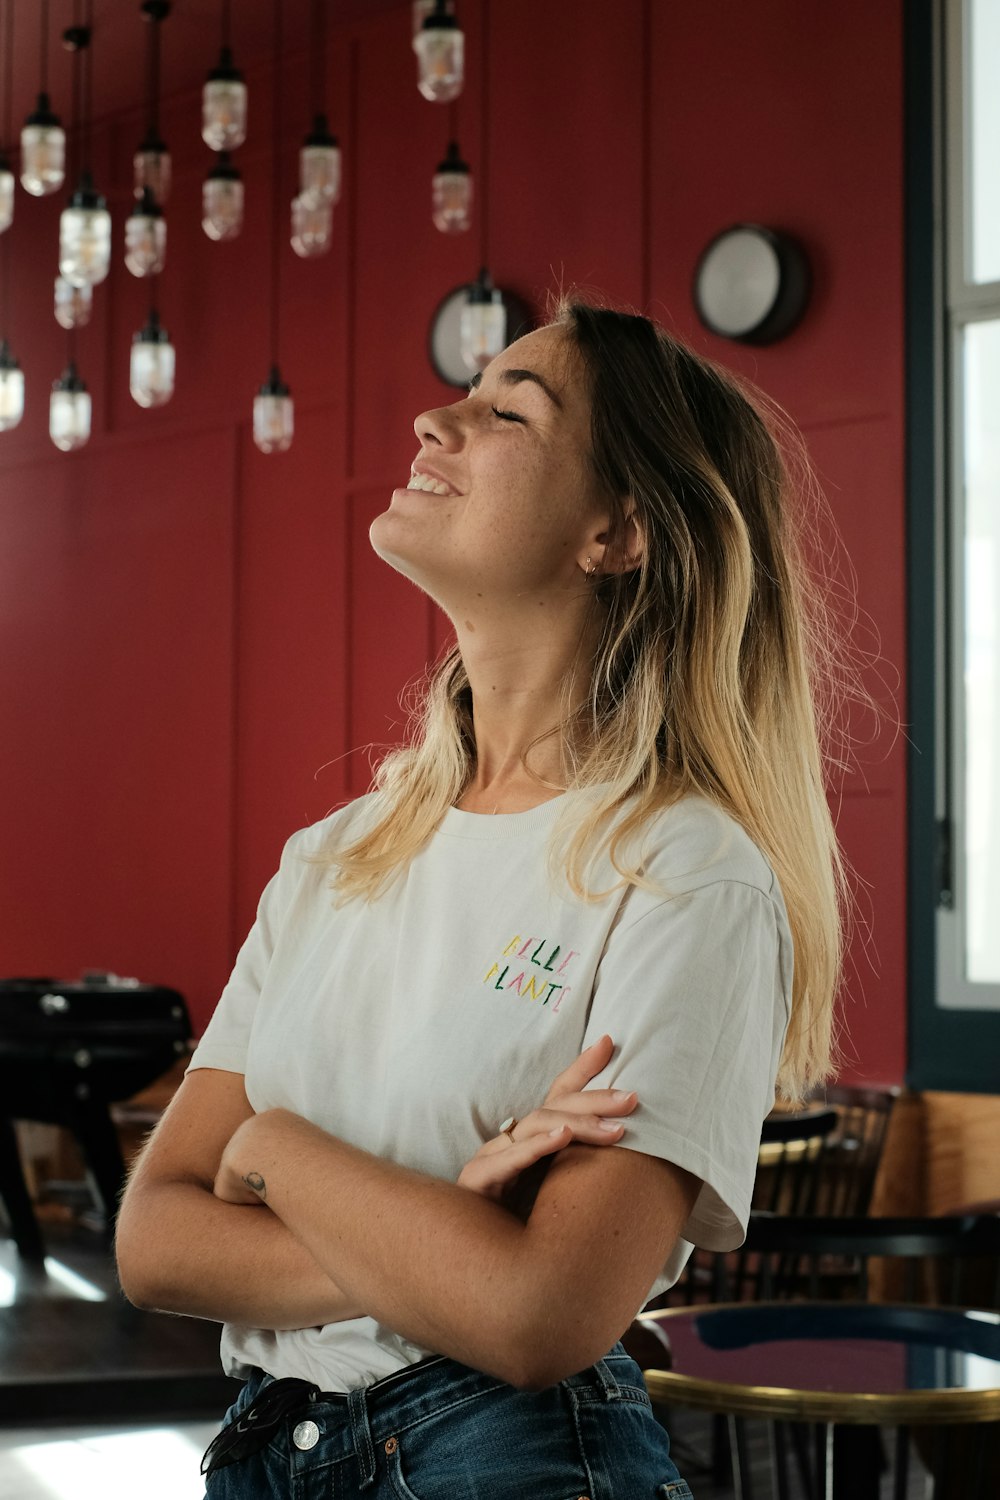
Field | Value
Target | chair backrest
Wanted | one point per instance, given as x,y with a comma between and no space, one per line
854,1150
953,1261
793,1148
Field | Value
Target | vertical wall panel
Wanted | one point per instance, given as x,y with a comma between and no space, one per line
116,613
294,637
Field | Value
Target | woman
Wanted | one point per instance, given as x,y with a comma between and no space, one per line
578,872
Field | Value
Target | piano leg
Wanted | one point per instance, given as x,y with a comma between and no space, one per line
15,1196
92,1125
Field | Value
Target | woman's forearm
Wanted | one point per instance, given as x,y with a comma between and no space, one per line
440,1265
181,1250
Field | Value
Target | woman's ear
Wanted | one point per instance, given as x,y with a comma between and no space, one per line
626,553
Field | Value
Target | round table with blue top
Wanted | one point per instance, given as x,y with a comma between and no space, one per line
844,1364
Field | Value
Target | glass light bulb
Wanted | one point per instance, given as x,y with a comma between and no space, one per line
312,226
85,238
222,203
224,106
319,173
73,304
146,238
11,389
6,196
152,169
152,365
43,151
69,412
483,331
451,207
440,50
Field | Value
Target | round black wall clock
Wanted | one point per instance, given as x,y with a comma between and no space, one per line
751,284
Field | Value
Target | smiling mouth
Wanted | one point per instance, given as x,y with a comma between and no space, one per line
429,486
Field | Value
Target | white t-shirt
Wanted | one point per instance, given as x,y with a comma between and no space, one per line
412,1026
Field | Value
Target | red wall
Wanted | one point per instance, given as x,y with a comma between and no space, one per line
197,638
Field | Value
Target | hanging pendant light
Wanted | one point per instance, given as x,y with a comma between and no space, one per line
43,140
85,224
222,200
319,156
273,415
146,237
151,163
320,164
6,194
483,325
72,304
451,193
273,412
224,98
11,375
312,226
151,167
85,236
69,411
440,56
151,369
11,389
6,172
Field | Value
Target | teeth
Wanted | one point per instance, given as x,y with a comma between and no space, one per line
430,486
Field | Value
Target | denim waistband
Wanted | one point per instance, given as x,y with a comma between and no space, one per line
358,1420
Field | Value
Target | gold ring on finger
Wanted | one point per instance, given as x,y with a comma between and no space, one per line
507,1128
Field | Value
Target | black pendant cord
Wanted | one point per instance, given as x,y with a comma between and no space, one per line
5,296
88,77
275,182
8,88
484,105
153,79
77,148
8,114
43,45
317,60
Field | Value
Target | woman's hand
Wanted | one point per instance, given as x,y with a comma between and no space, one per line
571,1112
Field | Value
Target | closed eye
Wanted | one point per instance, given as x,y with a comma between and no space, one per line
506,416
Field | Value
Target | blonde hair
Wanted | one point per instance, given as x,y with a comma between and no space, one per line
718,670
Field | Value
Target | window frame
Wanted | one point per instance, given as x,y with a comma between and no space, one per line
956,1044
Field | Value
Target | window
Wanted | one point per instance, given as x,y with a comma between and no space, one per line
968,921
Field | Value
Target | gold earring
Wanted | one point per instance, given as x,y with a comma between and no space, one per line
591,570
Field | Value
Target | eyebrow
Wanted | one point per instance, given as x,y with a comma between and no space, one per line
515,377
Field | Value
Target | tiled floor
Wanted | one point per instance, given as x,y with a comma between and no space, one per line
101,1463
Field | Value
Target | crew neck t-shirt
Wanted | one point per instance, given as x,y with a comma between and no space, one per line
413,1025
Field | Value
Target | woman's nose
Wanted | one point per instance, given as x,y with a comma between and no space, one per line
438,426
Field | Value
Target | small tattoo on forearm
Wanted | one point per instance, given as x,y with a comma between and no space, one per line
256,1184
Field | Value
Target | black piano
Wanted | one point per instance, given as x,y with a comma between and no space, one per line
68,1050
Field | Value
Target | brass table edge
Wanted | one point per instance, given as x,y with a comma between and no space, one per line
777,1402
888,1409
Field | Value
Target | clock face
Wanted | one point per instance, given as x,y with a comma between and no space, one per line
751,284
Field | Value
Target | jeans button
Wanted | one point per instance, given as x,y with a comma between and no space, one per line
306,1435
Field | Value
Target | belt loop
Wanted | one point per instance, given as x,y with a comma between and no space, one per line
609,1384
357,1410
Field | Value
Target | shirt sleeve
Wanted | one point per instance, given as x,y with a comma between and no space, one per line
695,994
227,1036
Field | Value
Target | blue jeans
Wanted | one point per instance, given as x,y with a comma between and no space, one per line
441,1431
